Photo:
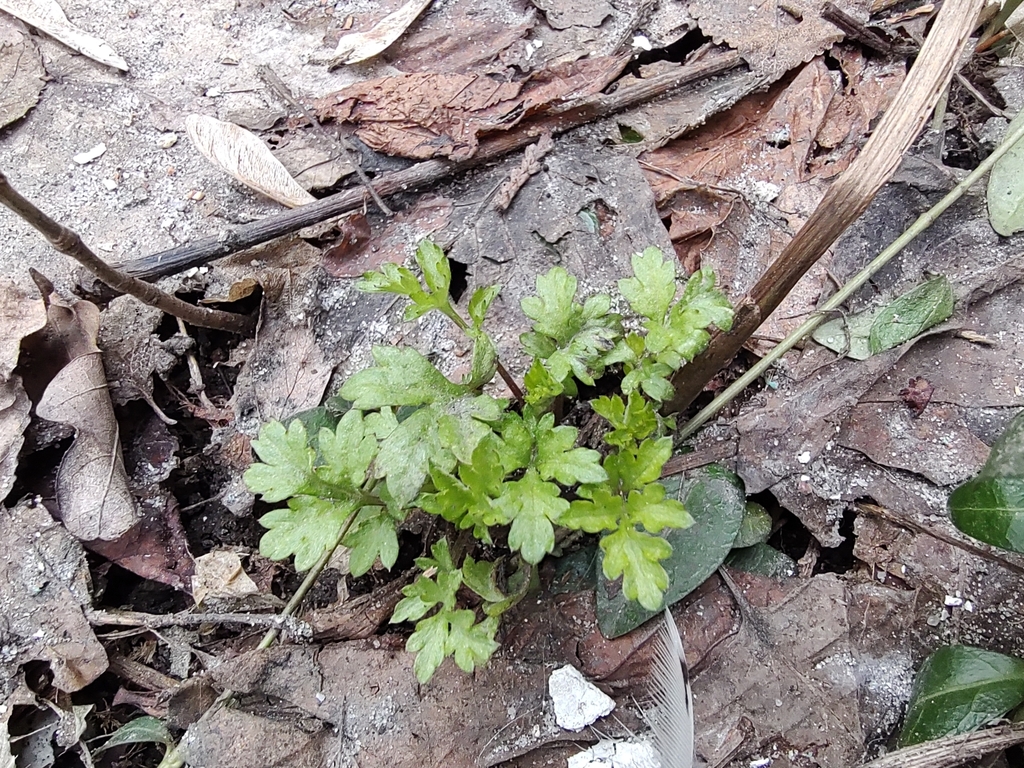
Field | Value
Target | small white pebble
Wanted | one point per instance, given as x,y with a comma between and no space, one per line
804,458
641,42
87,157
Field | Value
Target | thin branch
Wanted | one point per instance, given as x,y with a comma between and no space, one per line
291,625
952,751
69,243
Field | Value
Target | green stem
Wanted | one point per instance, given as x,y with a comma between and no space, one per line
924,221
513,387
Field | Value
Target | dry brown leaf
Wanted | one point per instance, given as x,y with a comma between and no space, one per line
562,14
47,16
44,585
424,115
462,37
92,486
360,46
22,76
243,155
286,370
772,37
395,244
14,420
133,352
156,548
220,575
20,315
737,188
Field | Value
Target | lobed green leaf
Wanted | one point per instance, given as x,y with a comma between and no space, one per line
533,506
373,536
636,557
651,290
287,461
307,529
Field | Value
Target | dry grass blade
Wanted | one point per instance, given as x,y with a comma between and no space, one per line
672,716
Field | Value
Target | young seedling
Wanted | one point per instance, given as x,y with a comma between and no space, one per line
510,476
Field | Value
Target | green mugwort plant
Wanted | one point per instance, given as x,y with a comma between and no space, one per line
501,473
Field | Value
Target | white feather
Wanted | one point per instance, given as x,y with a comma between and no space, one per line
671,717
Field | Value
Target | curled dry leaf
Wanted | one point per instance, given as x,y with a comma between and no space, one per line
20,315
44,584
47,16
241,154
360,46
92,486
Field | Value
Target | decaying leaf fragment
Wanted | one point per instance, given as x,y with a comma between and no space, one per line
44,584
20,315
360,46
47,16
22,76
425,115
92,485
241,154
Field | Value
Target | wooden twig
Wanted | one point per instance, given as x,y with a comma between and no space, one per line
952,751
854,30
556,120
293,626
69,243
277,85
846,199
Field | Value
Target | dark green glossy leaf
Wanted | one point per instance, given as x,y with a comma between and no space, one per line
575,571
958,689
755,528
763,560
991,506
717,504
992,510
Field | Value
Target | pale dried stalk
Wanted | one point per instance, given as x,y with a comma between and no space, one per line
952,751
